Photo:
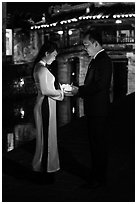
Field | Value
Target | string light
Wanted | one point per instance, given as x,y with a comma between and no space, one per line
130,15
99,16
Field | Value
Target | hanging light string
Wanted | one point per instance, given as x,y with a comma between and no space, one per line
94,17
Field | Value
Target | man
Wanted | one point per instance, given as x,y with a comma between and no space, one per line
95,93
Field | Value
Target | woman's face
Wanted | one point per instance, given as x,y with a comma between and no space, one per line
50,57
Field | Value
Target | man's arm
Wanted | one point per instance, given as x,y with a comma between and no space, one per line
103,76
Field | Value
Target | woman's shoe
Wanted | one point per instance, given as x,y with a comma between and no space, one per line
43,178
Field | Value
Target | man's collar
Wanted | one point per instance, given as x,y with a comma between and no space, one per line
98,53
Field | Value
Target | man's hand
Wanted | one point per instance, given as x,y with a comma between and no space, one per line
74,90
69,90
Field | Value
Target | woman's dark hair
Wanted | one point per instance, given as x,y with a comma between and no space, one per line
46,47
93,34
49,47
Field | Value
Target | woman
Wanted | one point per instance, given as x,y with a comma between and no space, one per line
46,157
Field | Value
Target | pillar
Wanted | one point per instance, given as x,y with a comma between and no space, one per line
4,8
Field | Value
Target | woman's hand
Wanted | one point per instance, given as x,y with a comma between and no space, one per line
67,88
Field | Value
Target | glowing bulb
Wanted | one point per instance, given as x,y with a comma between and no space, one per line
70,32
21,82
73,110
60,32
22,112
98,16
88,10
118,21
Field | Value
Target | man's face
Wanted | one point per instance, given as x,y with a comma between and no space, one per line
89,47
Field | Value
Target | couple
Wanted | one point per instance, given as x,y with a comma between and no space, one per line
95,93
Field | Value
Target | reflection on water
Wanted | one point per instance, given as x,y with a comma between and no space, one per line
22,133
19,112
18,122
18,119
10,141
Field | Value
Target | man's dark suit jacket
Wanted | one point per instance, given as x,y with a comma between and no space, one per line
96,88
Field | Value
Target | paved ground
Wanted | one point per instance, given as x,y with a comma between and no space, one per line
19,184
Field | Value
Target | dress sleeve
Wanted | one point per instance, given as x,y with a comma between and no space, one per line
46,80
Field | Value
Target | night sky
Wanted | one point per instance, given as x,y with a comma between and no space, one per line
36,9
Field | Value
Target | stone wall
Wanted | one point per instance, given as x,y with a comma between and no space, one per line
66,109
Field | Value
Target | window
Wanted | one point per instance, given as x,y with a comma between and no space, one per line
8,42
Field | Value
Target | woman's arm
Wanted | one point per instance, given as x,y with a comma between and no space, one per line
46,80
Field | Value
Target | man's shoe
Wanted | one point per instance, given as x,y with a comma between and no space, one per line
92,185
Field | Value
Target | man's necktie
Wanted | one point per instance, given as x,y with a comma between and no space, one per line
90,70
91,63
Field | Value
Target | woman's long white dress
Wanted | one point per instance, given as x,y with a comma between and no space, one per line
46,156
